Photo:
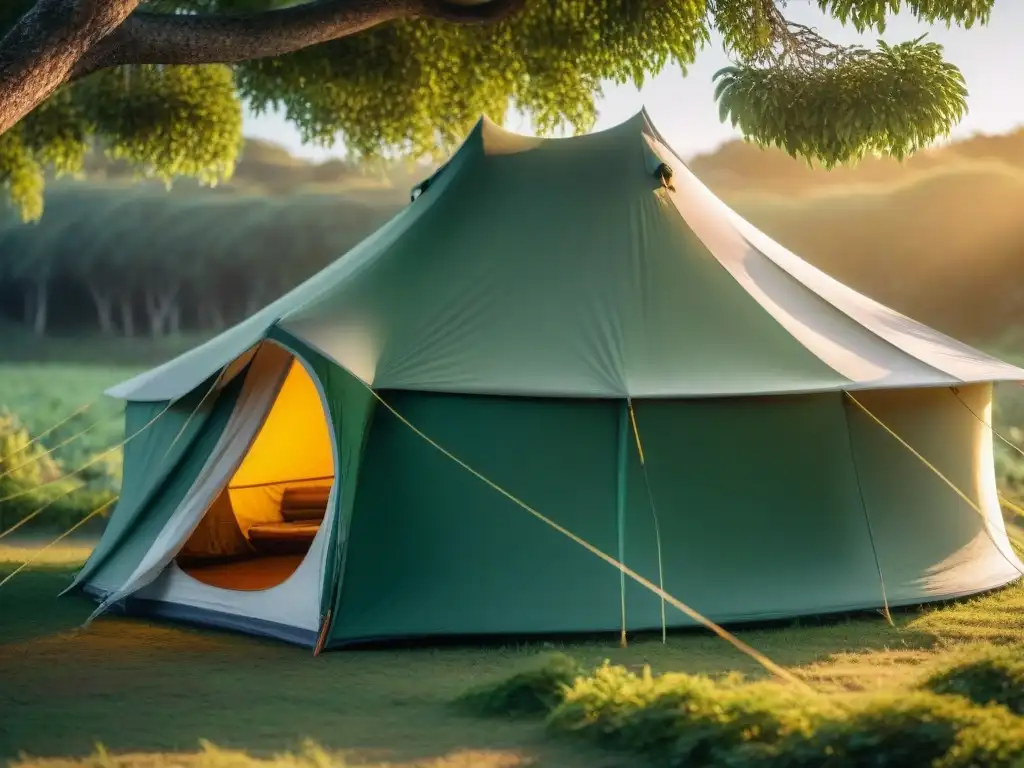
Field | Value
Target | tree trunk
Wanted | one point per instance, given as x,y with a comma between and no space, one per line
127,312
61,40
159,307
41,306
41,51
174,319
104,307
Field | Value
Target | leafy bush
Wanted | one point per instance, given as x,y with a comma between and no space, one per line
679,720
902,730
21,461
34,479
535,691
992,676
682,720
60,515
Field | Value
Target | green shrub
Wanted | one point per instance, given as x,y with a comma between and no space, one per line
682,720
897,730
535,691
23,462
678,720
30,479
992,676
58,516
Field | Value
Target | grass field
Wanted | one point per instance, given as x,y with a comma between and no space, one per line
149,693
152,693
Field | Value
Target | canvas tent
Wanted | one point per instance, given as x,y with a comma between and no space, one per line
530,295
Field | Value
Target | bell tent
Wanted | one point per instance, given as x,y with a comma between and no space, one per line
549,311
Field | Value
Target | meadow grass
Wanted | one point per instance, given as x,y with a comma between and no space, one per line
43,394
150,693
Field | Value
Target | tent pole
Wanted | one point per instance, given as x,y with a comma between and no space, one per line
620,509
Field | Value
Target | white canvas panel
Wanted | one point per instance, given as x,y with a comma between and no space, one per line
956,359
294,602
269,368
839,341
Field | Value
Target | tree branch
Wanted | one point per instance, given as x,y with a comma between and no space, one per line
61,40
39,53
799,46
157,38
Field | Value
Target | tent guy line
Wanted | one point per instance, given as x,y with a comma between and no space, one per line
886,613
94,460
66,441
654,515
966,499
77,412
36,512
97,511
721,632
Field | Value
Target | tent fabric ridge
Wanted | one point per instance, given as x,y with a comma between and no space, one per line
941,377
940,374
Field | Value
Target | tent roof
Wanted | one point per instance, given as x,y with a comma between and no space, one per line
568,267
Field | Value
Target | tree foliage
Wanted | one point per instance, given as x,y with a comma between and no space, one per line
415,86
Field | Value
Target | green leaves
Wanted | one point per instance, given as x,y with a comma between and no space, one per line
891,101
416,87
165,121
21,175
866,15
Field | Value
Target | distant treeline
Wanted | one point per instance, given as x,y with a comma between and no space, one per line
940,237
130,261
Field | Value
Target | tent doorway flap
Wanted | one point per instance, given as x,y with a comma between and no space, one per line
262,525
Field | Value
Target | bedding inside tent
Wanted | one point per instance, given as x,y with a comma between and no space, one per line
261,526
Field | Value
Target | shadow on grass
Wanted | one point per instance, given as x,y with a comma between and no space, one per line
136,686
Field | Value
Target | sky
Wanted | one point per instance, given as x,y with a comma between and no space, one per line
991,59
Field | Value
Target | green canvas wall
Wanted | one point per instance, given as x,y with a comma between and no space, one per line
759,502
161,462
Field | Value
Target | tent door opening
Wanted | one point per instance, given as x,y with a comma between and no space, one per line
261,525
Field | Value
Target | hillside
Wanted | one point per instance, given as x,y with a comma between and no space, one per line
739,167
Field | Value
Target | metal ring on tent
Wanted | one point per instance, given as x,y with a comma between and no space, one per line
419,189
664,174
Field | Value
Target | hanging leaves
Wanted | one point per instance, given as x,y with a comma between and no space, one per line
415,87
891,101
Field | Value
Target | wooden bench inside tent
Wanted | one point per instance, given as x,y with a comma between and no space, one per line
302,511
